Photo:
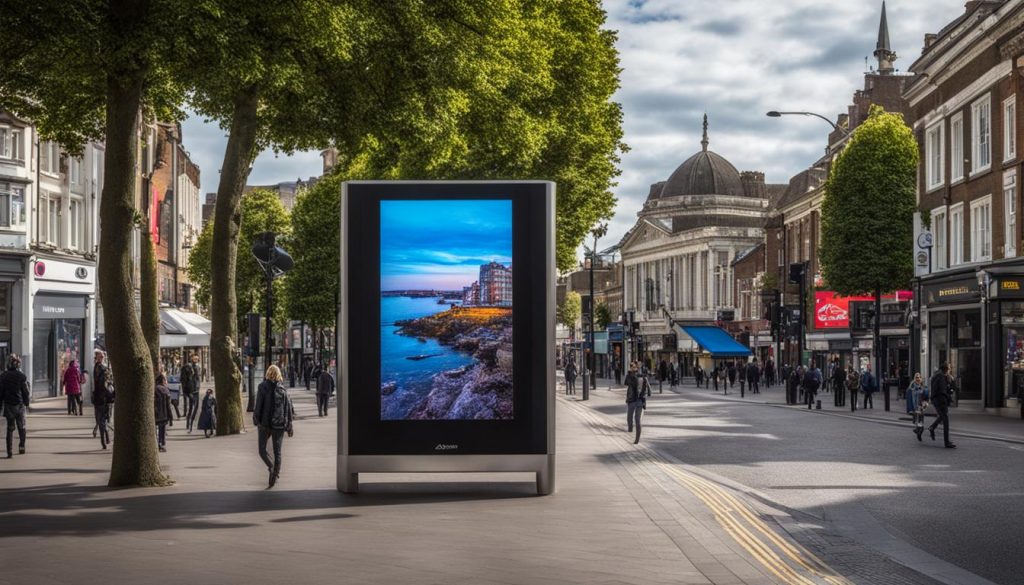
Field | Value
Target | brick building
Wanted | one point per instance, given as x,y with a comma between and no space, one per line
964,105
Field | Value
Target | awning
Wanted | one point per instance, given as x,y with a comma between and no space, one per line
183,329
716,342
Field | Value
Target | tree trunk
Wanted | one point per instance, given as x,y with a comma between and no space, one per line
135,459
240,152
147,291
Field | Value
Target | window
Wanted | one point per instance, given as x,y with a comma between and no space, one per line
1010,213
956,235
49,158
981,229
49,218
11,143
75,217
12,205
940,240
981,135
956,147
782,258
934,156
75,173
1010,128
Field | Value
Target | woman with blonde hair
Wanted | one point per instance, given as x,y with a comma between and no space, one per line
273,415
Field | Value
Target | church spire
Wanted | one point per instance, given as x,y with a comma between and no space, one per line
704,142
883,50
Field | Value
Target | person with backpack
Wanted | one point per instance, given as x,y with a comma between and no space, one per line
324,390
637,391
273,416
161,410
852,386
14,400
102,398
190,388
939,394
868,385
811,384
917,402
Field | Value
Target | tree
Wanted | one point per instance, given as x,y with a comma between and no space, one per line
199,263
110,68
313,283
570,311
868,211
602,316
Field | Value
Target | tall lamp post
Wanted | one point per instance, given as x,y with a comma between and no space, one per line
274,261
599,231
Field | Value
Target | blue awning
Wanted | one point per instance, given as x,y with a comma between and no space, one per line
717,342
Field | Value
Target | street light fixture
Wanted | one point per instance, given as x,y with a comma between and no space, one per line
775,114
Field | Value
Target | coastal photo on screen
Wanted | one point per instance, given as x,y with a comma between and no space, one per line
446,309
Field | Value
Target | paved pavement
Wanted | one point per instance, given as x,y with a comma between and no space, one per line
863,477
621,514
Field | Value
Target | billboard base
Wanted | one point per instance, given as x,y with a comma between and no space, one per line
350,466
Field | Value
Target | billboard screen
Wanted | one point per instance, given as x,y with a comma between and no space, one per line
833,312
446,302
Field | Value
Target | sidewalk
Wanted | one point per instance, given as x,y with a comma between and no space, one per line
621,514
964,421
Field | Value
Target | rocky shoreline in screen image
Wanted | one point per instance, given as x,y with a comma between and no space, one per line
481,390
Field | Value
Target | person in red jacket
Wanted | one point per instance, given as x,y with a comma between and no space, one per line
71,384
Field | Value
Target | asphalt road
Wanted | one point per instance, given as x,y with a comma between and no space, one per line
964,505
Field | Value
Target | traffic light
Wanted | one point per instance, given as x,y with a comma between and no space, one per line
796,272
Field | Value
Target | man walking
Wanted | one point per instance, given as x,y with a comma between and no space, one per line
839,384
868,385
852,385
811,384
752,376
637,391
102,397
273,415
570,376
324,389
190,387
939,393
14,399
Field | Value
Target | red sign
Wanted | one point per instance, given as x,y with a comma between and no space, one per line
833,312
40,268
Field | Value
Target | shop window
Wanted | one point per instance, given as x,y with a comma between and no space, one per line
1013,333
965,328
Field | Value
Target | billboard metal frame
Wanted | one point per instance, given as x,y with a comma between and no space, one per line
349,465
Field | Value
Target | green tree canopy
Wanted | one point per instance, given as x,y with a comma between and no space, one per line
602,316
313,282
868,210
569,312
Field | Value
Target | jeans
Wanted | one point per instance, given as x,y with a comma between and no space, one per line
161,434
75,404
634,410
15,416
191,408
102,414
868,400
321,403
570,385
941,408
278,436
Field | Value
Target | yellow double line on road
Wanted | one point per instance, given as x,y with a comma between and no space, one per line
788,561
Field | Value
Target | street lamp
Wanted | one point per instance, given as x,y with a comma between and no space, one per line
775,114
274,261
599,231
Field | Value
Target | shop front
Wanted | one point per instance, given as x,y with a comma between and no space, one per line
1005,309
59,335
953,332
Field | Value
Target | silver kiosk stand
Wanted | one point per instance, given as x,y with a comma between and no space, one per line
350,466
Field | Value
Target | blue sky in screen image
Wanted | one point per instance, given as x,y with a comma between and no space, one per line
440,244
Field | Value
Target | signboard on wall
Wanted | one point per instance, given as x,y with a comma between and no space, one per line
833,312
453,304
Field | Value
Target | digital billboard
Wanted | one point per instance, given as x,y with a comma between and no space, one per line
833,312
446,328
446,309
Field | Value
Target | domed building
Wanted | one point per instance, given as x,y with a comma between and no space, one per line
677,257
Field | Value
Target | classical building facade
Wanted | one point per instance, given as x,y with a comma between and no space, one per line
965,108
677,258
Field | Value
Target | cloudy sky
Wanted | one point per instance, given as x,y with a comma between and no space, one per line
734,59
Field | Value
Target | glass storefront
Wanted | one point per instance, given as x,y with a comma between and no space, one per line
58,336
956,340
1012,319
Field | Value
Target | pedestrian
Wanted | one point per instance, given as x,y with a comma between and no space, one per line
698,375
839,384
570,376
324,389
637,390
208,414
674,373
307,372
752,376
291,375
798,377
161,410
103,396
852,386
273,416
938,392
14,401
190,387
917,402
732,374
811,383
868,385
71,384
716,375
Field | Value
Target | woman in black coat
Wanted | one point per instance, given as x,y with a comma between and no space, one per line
162,410
208,414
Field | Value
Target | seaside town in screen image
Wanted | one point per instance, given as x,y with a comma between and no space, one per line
446,310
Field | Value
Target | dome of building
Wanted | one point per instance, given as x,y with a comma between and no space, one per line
705,173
